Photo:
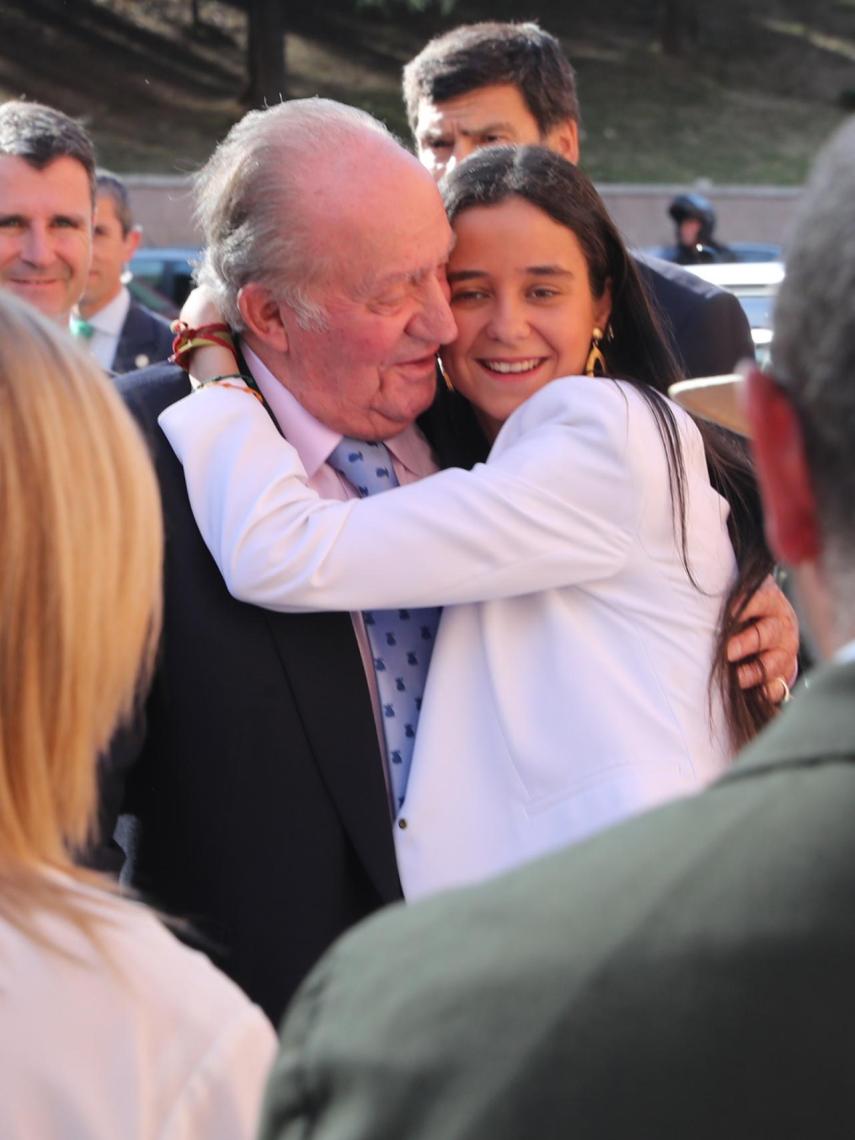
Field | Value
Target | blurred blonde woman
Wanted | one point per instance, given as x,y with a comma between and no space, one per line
108,1026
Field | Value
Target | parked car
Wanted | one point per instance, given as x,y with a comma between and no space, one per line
755,285
742,251
162,278
754,251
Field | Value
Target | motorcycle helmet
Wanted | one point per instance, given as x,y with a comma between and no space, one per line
694,206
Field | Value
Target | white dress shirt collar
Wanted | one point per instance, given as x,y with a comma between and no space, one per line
108,323
845,653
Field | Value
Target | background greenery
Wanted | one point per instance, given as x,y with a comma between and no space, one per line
750,94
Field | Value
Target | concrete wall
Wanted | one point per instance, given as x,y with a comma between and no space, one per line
745,213
162,205
755,213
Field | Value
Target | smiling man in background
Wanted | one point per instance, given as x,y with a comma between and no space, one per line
47,191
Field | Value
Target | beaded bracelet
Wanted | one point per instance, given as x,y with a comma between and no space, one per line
224,382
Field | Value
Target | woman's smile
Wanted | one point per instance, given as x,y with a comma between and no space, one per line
512,368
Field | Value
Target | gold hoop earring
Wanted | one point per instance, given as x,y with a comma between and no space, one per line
595,365
444,374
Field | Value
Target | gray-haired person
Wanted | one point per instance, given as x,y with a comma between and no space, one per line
256,786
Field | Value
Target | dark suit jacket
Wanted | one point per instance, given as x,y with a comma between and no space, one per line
688,974
145,339
254,795
708,328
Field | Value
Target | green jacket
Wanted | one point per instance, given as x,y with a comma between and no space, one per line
688,974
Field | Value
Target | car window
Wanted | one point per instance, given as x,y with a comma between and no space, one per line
169,272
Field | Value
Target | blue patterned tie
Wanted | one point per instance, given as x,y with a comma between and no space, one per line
401,640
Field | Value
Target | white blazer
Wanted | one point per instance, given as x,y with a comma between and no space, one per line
569,685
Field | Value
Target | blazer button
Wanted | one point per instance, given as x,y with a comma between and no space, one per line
402,823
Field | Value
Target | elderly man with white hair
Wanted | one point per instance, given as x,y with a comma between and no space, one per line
256,787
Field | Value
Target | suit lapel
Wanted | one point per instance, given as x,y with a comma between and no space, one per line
336,710
141,336
129,345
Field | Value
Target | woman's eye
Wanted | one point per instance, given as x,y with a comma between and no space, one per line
468,295
543,292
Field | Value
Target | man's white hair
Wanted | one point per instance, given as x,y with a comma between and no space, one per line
251,201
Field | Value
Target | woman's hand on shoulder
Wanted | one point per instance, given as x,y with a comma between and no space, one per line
208,361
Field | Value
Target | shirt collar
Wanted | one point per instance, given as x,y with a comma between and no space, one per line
313,440
111,317
845,653
411,450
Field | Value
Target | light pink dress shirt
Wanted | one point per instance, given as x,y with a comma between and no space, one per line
313,442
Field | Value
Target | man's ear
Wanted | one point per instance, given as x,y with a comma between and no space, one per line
782,471
262,316
564,139
132,242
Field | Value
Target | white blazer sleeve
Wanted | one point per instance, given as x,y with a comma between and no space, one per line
555,505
